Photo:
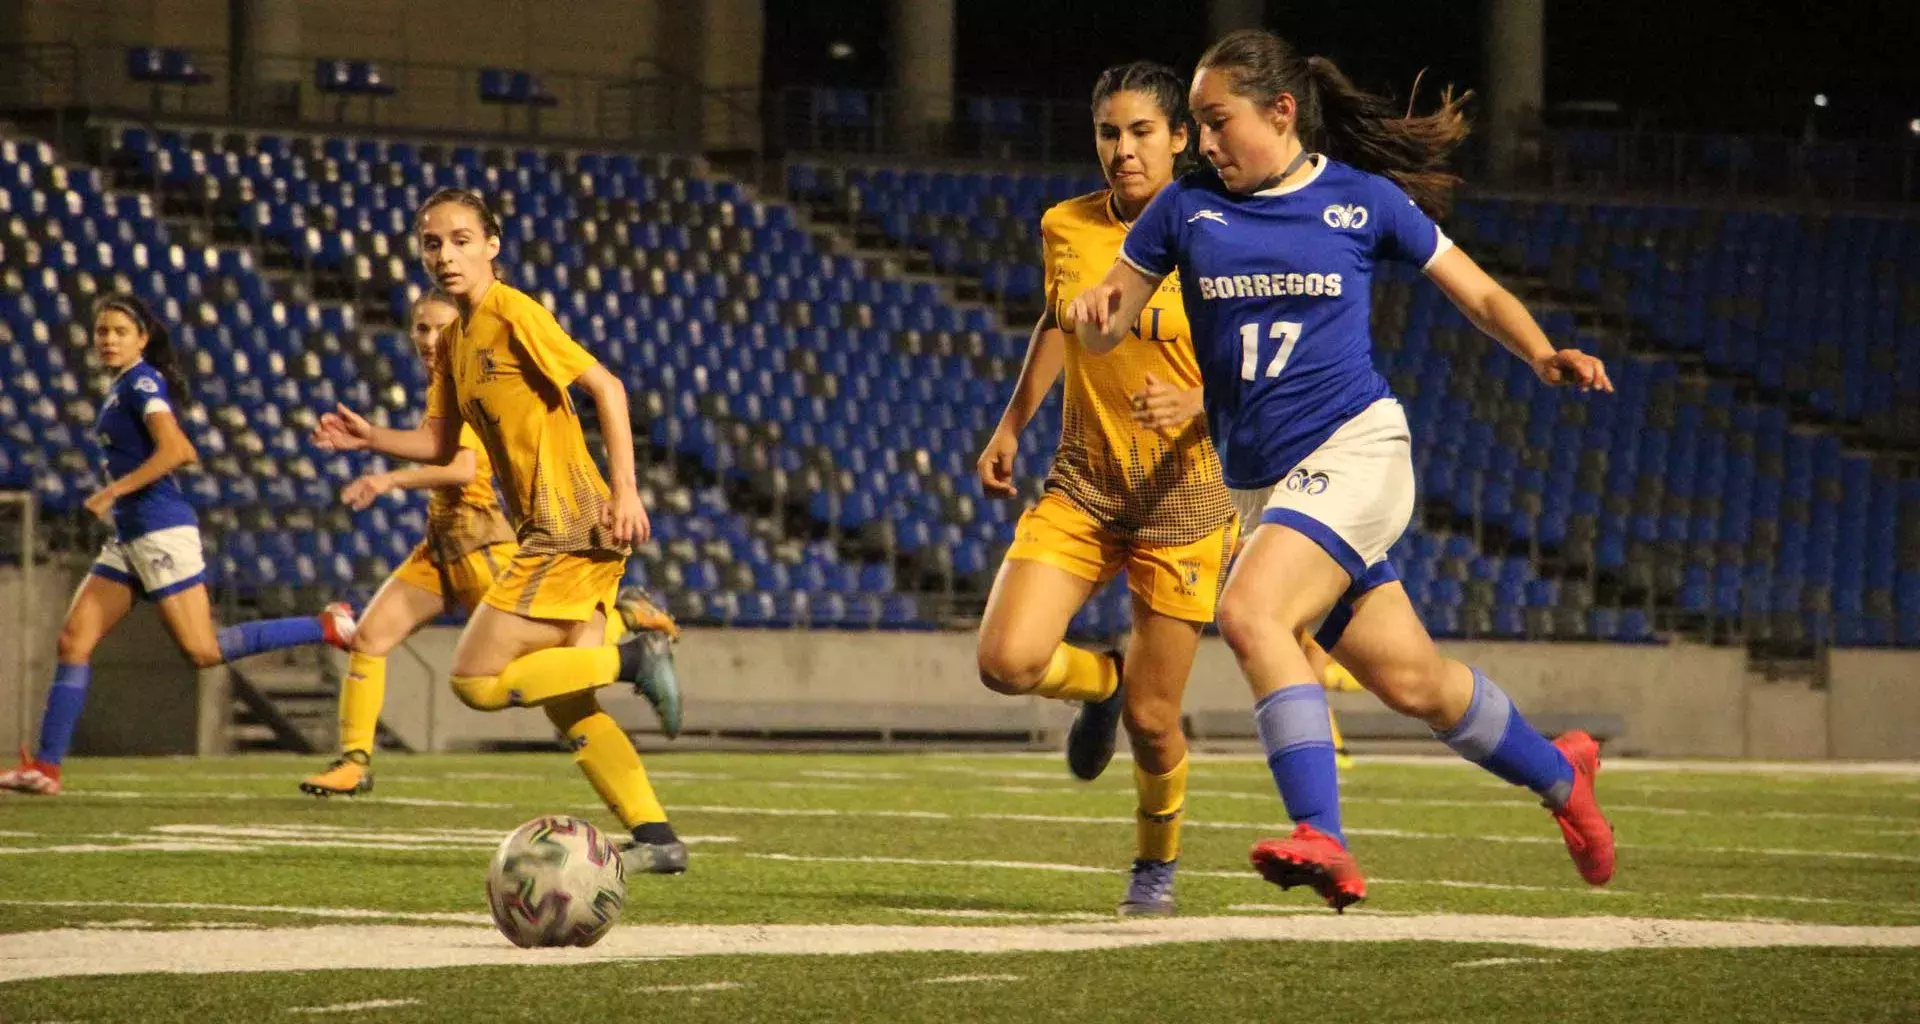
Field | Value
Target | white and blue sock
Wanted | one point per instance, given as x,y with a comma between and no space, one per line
251,638
1298,738
1494,735
64,702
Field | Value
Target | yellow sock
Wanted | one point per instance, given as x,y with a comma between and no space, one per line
607,758
534,679
1337,678
1163,803
361,695
1341,758
1074,673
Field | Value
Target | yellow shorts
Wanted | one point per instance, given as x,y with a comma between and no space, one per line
463,582
1180,580
563,587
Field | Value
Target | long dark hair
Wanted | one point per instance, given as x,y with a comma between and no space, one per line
159,352
1344,121
1169,92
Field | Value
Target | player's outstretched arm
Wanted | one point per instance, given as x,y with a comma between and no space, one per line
1046,353
625,516
1101,316
458,473
1503,317
434,442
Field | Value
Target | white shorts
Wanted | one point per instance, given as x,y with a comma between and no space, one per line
1353,496
157,564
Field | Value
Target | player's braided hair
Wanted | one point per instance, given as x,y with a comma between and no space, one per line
159,352
1344,121
1169,92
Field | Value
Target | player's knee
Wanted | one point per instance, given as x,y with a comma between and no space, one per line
76,645
1414,689
1010,672
203,654
1248,624
482,693
1154,723
374,643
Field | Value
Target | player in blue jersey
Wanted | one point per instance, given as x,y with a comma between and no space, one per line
1312,183
155,549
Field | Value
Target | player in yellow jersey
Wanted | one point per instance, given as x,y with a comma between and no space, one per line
468,542
1120,495
538,636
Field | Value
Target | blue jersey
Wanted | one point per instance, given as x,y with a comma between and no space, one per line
125,443
1278,287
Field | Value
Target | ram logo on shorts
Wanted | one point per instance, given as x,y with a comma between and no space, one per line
1307,483
161,562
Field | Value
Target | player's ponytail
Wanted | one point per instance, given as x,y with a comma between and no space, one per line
159,352
1169,92
1346,122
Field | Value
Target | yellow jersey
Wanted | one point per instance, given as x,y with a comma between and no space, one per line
505,372
1144,485
463,519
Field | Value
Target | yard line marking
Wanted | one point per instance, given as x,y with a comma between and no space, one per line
705,986
1824,901
1386,833
345,913
963,979
963,913
1686,812
1502,961
76,952
371,1004
291,798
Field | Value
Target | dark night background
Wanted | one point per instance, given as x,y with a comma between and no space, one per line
1672,64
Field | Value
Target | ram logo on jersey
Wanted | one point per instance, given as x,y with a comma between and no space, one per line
1351,217
1264,286
1213,215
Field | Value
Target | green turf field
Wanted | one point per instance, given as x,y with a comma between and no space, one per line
948,887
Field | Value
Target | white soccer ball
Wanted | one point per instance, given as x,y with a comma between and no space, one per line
556,881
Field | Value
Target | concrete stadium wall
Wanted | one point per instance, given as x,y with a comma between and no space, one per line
1679,700
579,48
145,696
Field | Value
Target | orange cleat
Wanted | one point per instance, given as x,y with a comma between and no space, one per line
1588,833
1315,859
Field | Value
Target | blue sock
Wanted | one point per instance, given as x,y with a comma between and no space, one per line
1494,735
1293,727
268,635
64,701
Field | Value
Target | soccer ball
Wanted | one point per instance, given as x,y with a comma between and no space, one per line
556,881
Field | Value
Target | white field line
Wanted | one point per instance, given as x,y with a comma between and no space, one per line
370,1004
965,979
74,952
291,797
1505,961
967,914
342,913
189,838
1060,819
704,986
1518,804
